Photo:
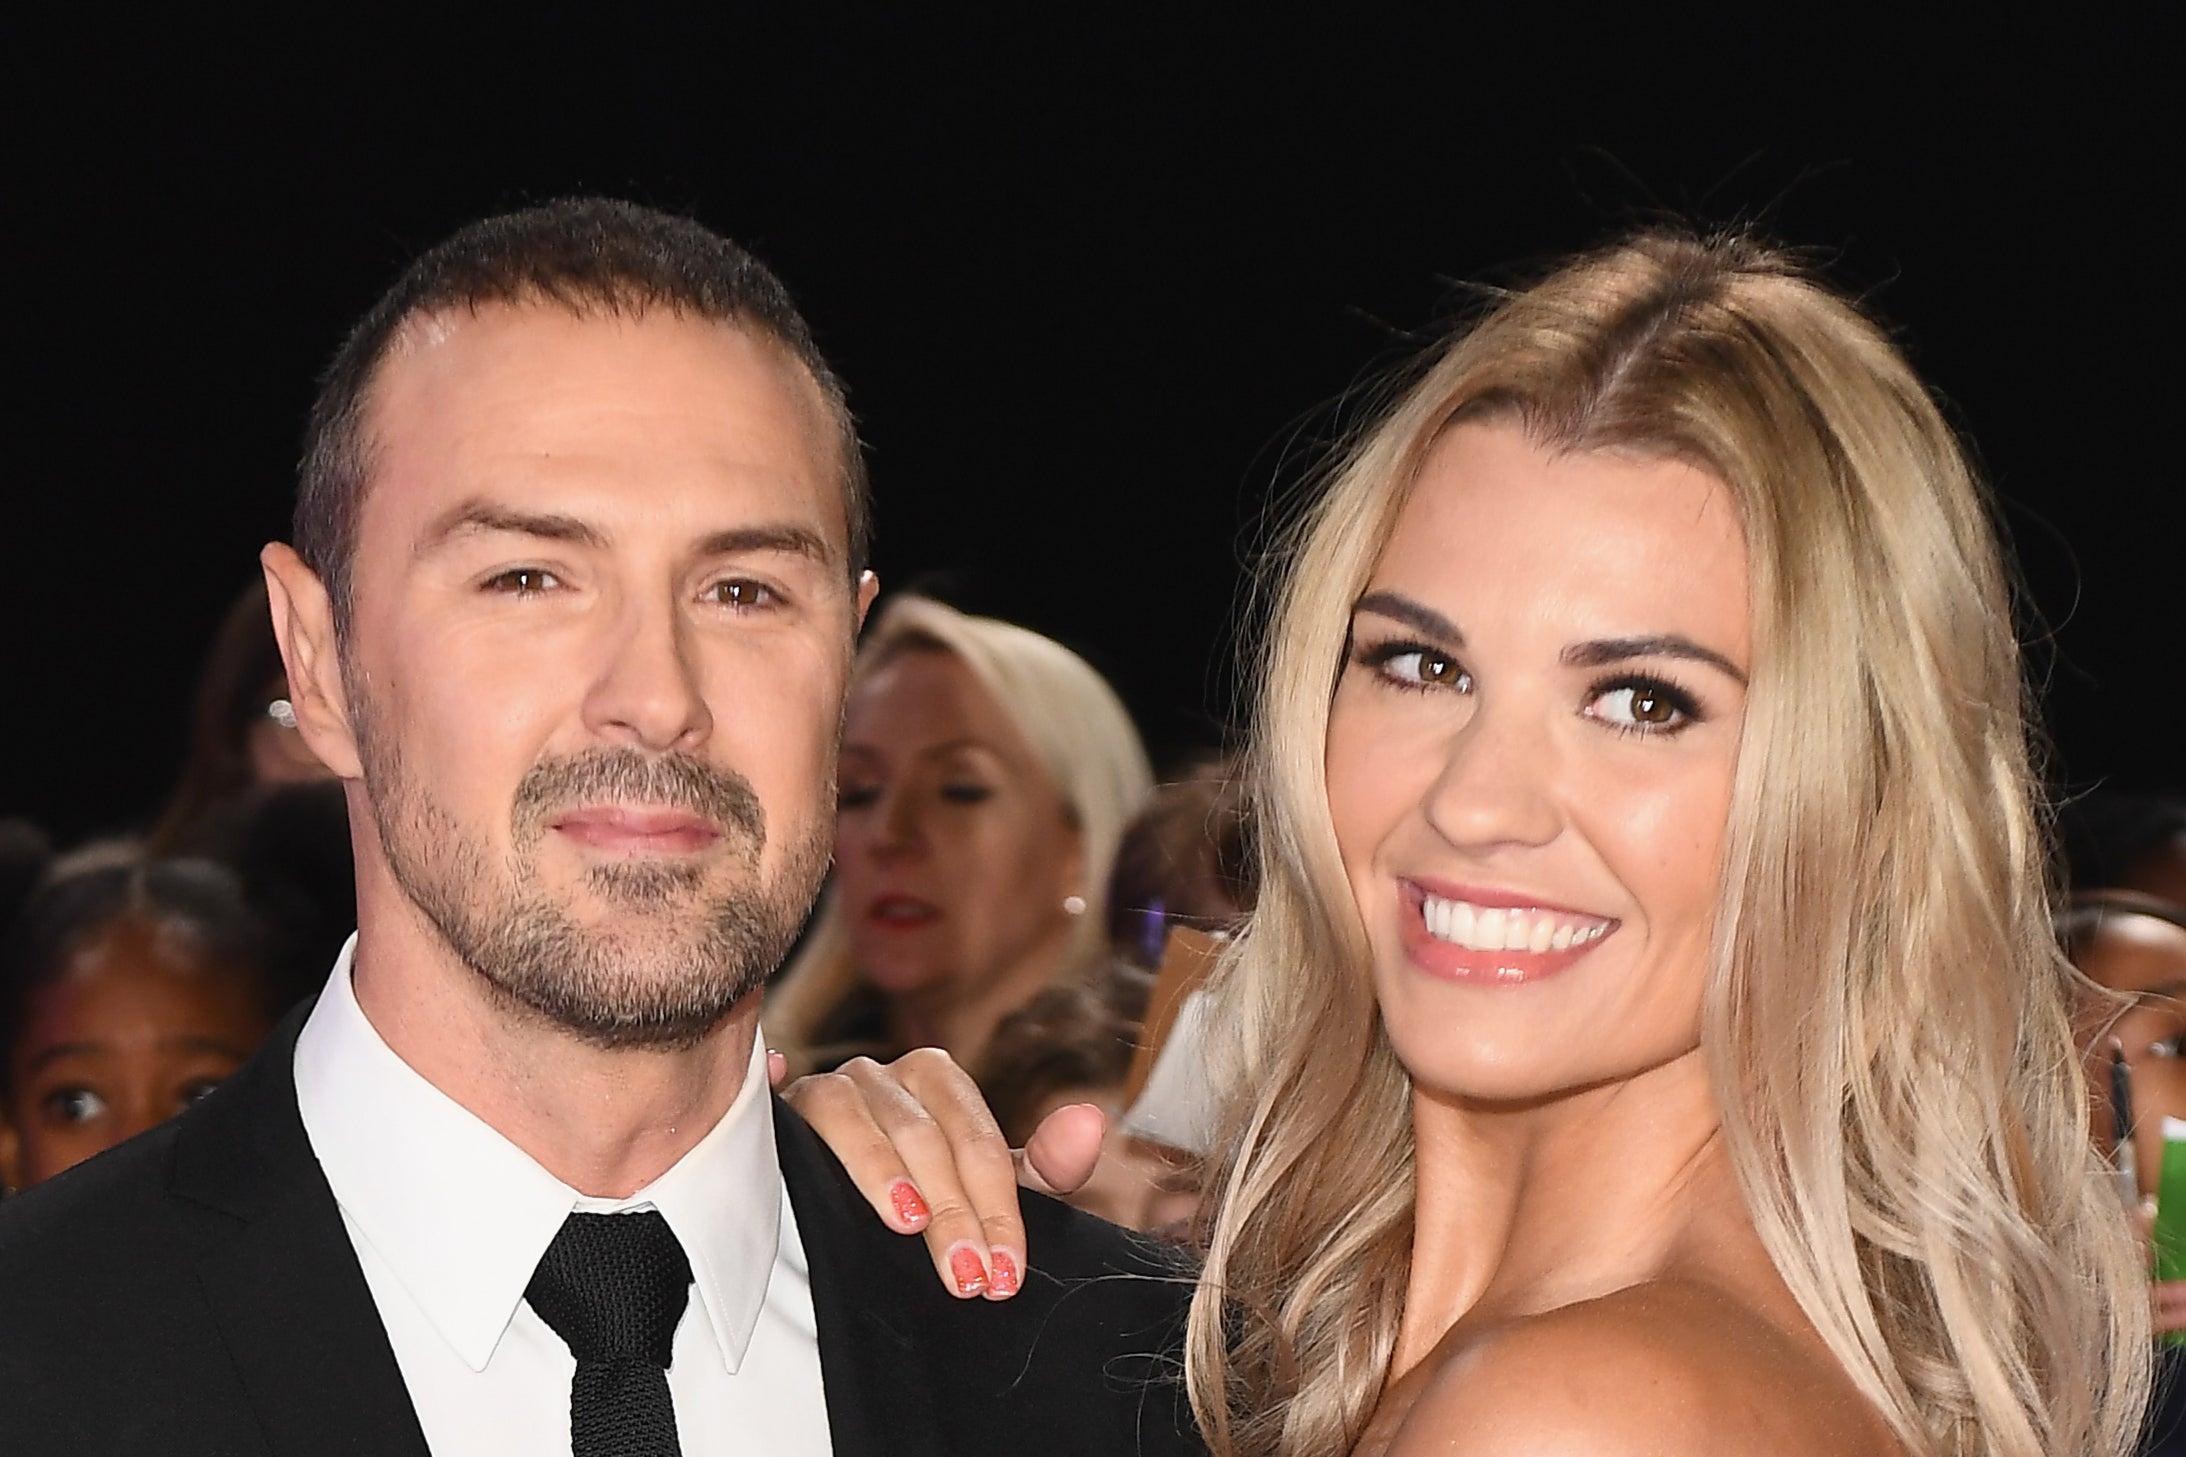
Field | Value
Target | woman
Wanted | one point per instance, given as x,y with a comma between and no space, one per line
242,734
1649,1035
987,774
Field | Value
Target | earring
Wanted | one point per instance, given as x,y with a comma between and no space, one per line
282,712
1073,905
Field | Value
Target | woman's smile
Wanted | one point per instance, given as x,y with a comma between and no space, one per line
1498,938
1530,760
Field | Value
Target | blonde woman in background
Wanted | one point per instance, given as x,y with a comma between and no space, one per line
1650,1036
987,774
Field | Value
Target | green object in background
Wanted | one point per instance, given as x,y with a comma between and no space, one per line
2170,1232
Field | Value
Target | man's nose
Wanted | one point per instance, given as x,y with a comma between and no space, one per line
647,690
1497,785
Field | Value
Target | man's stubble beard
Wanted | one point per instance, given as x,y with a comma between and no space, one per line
645,976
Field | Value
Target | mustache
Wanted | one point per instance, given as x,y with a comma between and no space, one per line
721,796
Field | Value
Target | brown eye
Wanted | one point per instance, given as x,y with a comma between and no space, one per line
523,581
1408,665
1644,707
741,592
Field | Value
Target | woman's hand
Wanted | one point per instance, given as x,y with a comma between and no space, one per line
918,1141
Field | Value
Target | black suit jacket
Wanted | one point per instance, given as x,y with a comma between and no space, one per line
194,1291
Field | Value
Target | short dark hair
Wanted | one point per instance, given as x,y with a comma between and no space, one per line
584,254
197,900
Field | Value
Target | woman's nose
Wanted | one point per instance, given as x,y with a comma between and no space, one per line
1497,783
897,829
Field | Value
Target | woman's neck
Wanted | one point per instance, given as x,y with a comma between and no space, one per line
1527,1208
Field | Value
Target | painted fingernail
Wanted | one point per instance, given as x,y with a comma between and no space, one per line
971,1276
909,1207
1005,1273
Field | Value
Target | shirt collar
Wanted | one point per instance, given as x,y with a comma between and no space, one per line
461,1215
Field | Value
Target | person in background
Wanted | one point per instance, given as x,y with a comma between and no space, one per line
127,992
1073,1043
1186,860
986,776
242,730
2132,945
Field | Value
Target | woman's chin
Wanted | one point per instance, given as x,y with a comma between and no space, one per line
897,976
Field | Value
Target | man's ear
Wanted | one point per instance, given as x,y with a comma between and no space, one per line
868,589
303,621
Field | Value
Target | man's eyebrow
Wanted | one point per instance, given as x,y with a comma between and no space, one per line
786,536
1400,608
477,515
1604,651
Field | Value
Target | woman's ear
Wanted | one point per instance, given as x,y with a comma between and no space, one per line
303,621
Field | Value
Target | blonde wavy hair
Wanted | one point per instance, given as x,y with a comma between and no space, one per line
1886,1016
1077,727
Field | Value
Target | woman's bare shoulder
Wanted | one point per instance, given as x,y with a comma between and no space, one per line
1671,1365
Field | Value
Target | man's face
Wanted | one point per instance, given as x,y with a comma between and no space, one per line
600,631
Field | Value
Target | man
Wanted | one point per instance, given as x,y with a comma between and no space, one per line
578,570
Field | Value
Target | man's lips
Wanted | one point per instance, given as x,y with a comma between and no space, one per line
639,829
1496,937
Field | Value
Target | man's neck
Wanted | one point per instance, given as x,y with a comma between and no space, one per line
605,1121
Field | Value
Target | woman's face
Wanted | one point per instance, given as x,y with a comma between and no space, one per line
1530,756
953,849
135,1029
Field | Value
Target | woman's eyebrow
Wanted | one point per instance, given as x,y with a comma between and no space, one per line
1603,651
1400,608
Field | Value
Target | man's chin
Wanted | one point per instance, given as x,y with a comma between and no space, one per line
666,987
638,884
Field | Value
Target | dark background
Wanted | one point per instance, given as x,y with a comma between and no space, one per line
1093,282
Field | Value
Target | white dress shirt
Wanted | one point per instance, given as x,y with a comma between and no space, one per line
449,1220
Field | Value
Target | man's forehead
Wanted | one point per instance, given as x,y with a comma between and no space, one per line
435,326
466,371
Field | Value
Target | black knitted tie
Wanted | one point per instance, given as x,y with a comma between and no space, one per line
613,1287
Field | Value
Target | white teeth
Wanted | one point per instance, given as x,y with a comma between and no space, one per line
1504,928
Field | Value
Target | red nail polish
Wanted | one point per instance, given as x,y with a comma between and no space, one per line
909,1207
1005,1272
971,1276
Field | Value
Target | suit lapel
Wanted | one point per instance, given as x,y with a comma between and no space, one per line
880,1390
288,1297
